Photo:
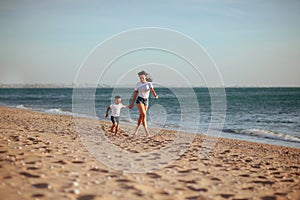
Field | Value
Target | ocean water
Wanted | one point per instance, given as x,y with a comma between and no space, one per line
266,115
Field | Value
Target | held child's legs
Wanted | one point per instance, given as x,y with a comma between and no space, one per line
112,118
116,129
112,127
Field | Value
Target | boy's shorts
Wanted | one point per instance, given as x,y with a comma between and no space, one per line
142,100
114,120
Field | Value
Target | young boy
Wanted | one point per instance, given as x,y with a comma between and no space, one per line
115,113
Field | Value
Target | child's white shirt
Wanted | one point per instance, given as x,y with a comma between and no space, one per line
116,109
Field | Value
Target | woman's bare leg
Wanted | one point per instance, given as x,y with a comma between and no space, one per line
138,124
143,119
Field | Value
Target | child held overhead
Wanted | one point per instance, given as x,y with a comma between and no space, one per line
115,114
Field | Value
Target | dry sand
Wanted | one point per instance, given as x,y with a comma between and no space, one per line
41,157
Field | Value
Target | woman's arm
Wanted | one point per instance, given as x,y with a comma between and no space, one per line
133,99
154,93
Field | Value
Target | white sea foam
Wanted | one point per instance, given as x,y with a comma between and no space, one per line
21,106
58,111
264,134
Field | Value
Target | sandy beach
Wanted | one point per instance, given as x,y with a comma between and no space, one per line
42,157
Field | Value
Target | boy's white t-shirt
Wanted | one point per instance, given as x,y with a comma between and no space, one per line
143,89
116,109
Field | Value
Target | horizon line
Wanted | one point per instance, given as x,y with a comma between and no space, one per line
106,86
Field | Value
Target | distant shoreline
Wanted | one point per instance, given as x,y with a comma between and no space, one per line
51,86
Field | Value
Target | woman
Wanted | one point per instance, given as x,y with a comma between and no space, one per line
142,91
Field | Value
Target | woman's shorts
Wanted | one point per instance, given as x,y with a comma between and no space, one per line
142,100
114,120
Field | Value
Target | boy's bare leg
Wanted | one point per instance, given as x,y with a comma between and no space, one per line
112,128
116,129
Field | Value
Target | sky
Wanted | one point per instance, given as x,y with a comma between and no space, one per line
253,43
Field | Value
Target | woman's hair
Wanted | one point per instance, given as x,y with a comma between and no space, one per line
148,78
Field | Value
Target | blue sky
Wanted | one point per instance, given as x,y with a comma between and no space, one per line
252,42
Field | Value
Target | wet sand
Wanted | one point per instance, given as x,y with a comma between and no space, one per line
42,157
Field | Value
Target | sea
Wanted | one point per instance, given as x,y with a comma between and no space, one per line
264,115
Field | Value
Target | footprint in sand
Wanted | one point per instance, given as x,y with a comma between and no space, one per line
86,197
225,152
264,182
226,196
29,175
262,177
99,170
196,189
280,193
41,185
153,175
245,175
188,181
78,162
128,187
199,197
269,198
61,162
38,195
32,168
288,180
139,193
187,170
215,179
123,180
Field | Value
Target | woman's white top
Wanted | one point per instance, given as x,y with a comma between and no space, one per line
143,89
